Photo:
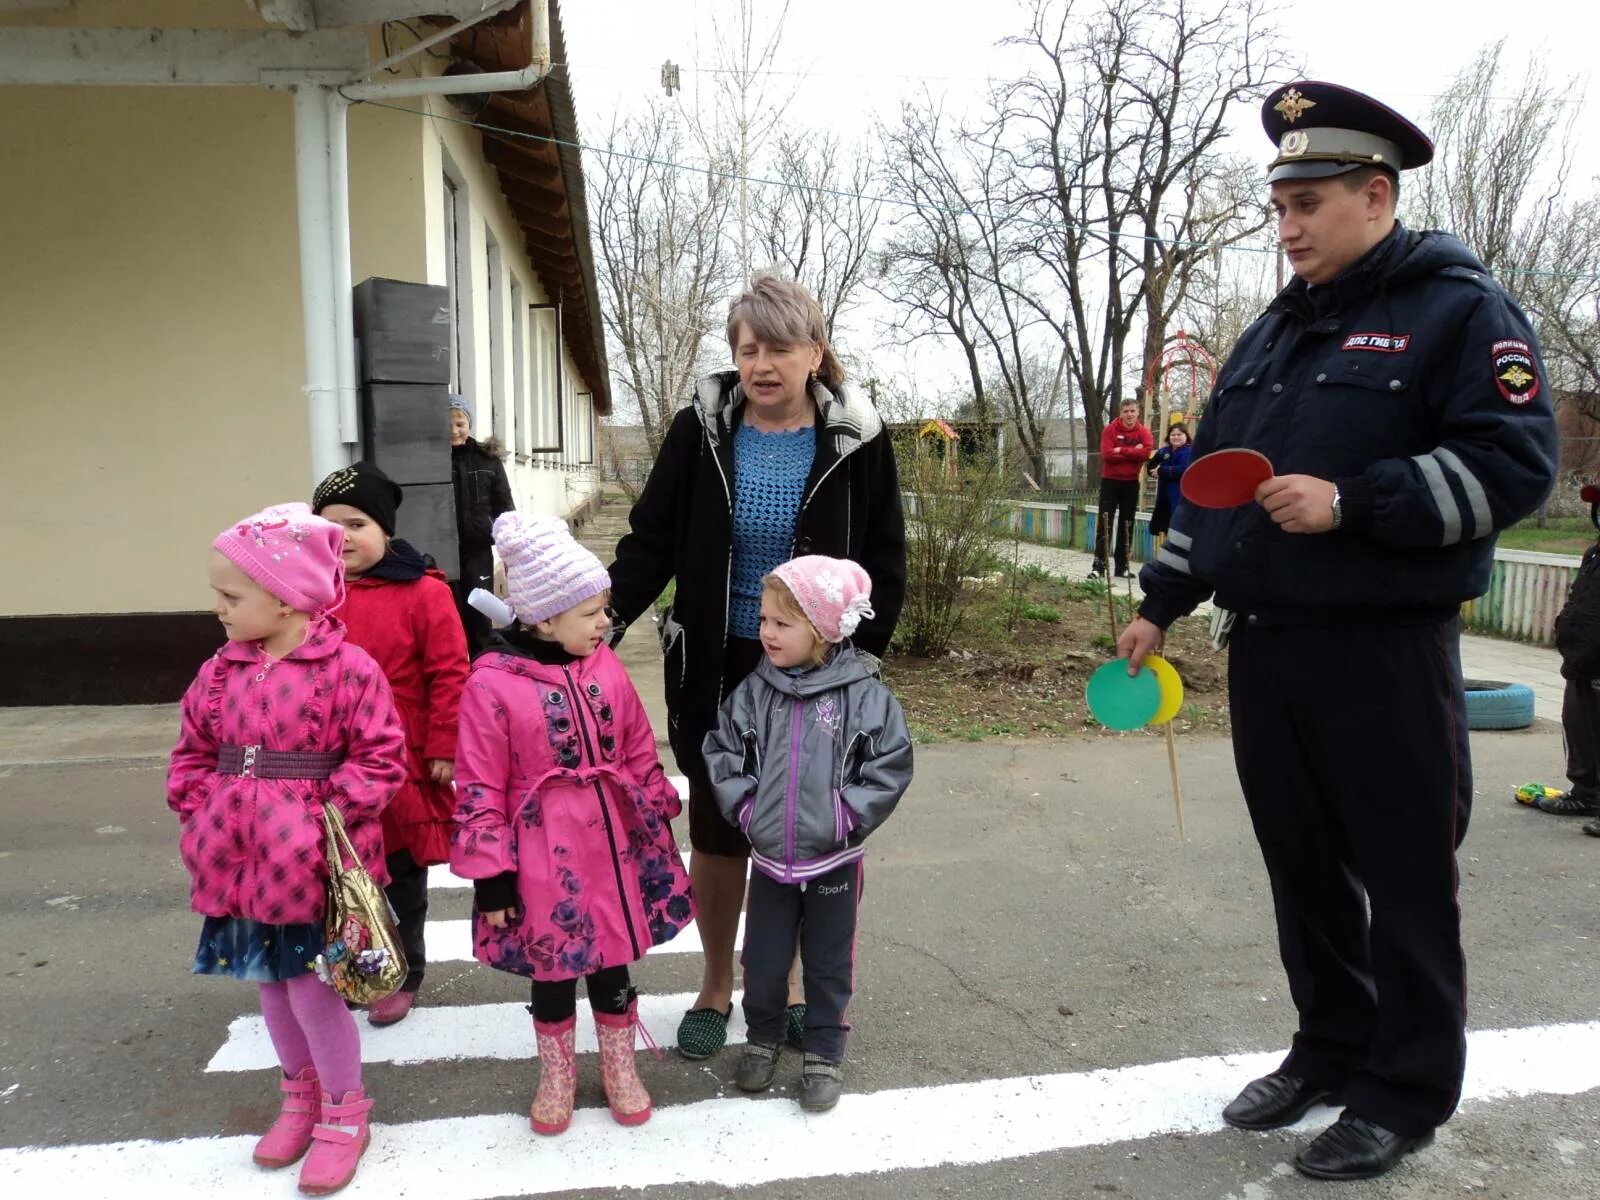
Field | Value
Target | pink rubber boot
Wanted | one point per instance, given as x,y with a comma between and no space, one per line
551,1112
625,1091
290,1135
338,1141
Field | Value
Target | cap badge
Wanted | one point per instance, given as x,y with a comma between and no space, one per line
1293,106
1295,143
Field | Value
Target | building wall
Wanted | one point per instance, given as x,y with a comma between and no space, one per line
152,363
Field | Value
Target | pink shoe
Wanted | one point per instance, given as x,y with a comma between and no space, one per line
391,1010
551,1112
338,1141
290,1135
625,1091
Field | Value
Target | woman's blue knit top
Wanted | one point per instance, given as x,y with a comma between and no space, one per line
769,478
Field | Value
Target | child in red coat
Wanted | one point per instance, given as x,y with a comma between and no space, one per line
401,611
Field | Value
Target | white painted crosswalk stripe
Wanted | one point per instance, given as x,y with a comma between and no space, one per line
464,1031
739,1141
451,941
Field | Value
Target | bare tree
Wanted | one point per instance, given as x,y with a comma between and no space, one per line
747,108
1117,134
664,261
924,269
817,218
956,264
1500,167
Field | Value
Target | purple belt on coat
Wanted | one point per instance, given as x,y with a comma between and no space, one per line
259,762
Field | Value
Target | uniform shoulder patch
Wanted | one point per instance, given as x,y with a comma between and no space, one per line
1516,373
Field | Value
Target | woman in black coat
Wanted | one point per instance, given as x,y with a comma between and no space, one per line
482,493
776,459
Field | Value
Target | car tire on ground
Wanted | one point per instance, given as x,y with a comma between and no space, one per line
1492,704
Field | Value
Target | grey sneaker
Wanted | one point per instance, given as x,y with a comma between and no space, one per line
757,1066
821,1082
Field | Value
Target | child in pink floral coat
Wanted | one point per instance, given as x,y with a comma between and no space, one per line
286,715
562,816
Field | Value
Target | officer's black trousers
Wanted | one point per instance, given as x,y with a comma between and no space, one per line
1351,745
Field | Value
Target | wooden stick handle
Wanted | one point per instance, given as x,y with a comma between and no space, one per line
1177,788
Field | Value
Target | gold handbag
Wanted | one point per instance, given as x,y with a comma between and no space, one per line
362,959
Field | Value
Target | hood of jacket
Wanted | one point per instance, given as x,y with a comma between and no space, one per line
844,415
844,666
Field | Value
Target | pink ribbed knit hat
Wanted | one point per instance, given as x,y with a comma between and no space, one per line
834,593
547,571
297,557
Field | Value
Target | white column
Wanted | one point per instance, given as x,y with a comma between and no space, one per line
314,172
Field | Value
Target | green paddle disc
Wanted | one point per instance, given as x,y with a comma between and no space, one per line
1122,701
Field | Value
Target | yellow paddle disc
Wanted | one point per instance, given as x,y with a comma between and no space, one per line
1171,688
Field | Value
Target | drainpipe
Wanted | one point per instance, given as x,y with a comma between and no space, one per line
314,187
452,85
343,291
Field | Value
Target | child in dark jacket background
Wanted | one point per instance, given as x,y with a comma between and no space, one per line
401,611
810,754
1578,639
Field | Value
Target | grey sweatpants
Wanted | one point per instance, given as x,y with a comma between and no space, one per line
821,913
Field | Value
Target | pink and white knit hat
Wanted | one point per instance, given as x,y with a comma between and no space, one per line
296,556
547,571
834,593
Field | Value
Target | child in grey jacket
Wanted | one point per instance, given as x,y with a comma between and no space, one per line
810,755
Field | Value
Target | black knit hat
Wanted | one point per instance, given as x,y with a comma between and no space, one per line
362,486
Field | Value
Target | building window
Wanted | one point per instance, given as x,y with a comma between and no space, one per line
497,336
546,378
458,279
519,371
585,418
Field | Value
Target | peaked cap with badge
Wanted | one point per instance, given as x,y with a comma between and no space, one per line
1322,130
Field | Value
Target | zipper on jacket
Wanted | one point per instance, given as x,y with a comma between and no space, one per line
578,704
800,514
789,802
727,582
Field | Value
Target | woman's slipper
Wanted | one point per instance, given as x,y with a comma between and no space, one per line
795,1026
703,1031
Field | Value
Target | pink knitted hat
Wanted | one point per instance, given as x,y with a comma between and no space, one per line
294,555
547,571
834,593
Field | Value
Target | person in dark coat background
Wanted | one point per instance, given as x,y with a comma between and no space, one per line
776,459
1168,467
482,493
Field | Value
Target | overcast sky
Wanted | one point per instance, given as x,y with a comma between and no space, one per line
853,60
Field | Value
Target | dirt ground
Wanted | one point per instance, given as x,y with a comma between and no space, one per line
1023,655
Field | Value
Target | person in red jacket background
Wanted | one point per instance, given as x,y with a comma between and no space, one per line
401,611
1125,447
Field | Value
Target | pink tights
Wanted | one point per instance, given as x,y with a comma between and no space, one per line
309,1025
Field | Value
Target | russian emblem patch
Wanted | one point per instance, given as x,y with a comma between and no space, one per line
1516,373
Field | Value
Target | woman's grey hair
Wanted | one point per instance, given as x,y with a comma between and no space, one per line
781,312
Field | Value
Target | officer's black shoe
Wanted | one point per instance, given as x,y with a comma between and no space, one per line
1273,1101
1354,1148
1592,828
1124,573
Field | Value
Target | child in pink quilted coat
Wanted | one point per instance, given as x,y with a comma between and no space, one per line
286,715
562,815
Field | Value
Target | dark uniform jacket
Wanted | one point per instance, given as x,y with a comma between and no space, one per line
1415,384
681,528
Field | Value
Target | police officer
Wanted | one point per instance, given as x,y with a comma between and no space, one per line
1400,396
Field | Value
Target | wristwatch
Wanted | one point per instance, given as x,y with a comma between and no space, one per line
1338,512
